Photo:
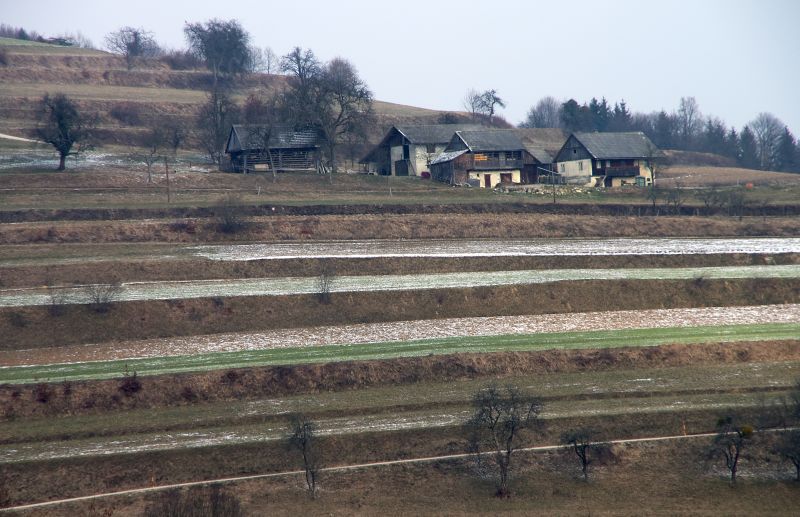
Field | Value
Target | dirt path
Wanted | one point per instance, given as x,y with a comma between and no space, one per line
406,331
343,468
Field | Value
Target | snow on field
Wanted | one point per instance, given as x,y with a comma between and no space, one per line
495,248
408,331
308,285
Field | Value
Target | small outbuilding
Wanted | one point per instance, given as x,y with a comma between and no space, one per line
259,148
607,159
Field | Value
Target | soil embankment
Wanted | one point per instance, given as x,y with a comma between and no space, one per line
90,397
35,327
411,226
109,271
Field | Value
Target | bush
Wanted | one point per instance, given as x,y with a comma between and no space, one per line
3,57
229,214
127,113
181,60
100,296
17,319
130,384
42,393
205,502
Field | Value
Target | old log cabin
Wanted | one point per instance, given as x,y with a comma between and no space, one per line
257,147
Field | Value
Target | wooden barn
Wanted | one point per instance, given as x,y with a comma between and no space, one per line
487,158
259,148
408,150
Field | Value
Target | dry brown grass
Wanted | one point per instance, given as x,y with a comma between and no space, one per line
703,176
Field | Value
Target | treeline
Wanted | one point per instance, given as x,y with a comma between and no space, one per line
764,143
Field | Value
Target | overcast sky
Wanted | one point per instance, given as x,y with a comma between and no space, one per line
736,57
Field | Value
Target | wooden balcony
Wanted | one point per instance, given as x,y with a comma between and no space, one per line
620,172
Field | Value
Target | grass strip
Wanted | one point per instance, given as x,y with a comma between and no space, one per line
370,351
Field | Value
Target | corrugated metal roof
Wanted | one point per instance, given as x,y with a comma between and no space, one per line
447,156
491,140
432,133
607,146
282,136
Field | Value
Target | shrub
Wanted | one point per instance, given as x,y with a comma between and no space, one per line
100,296
42,393
3,57
205,502
229,214
181,60
129,384
127,113
17,319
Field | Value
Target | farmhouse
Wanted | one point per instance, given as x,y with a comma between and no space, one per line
409,149
607,159
255,147
487,158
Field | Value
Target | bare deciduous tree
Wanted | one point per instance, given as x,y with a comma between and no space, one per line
729,443
788,448
324,284
689,120
101,296
546,114
584,447
497,428
767,129
472,103
214,122
223,45
302,438
133,43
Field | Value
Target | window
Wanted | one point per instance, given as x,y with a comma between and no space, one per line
430,148
580,165
561,167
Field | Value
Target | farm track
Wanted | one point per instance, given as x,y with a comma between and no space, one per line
146,291
405,331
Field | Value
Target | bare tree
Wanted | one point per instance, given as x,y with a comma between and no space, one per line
584,447
788,448
489,103
546,114
64,127
324,284
498,427
271,61
472,103
101,296
132,43
768,130
223,45
729,443
331,97
214,122
689,120
302,438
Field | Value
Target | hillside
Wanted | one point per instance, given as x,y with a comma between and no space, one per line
101,83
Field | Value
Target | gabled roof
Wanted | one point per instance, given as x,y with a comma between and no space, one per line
542,143
491,140
448,156
432,133
281,136
608,146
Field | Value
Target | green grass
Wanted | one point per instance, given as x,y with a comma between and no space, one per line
360,352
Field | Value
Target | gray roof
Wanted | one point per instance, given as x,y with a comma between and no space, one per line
447,156
432,133
607,146
542,143
491,140
282,136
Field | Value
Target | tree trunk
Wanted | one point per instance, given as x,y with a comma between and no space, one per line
62,162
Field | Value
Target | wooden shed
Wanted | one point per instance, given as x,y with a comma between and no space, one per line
259,148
